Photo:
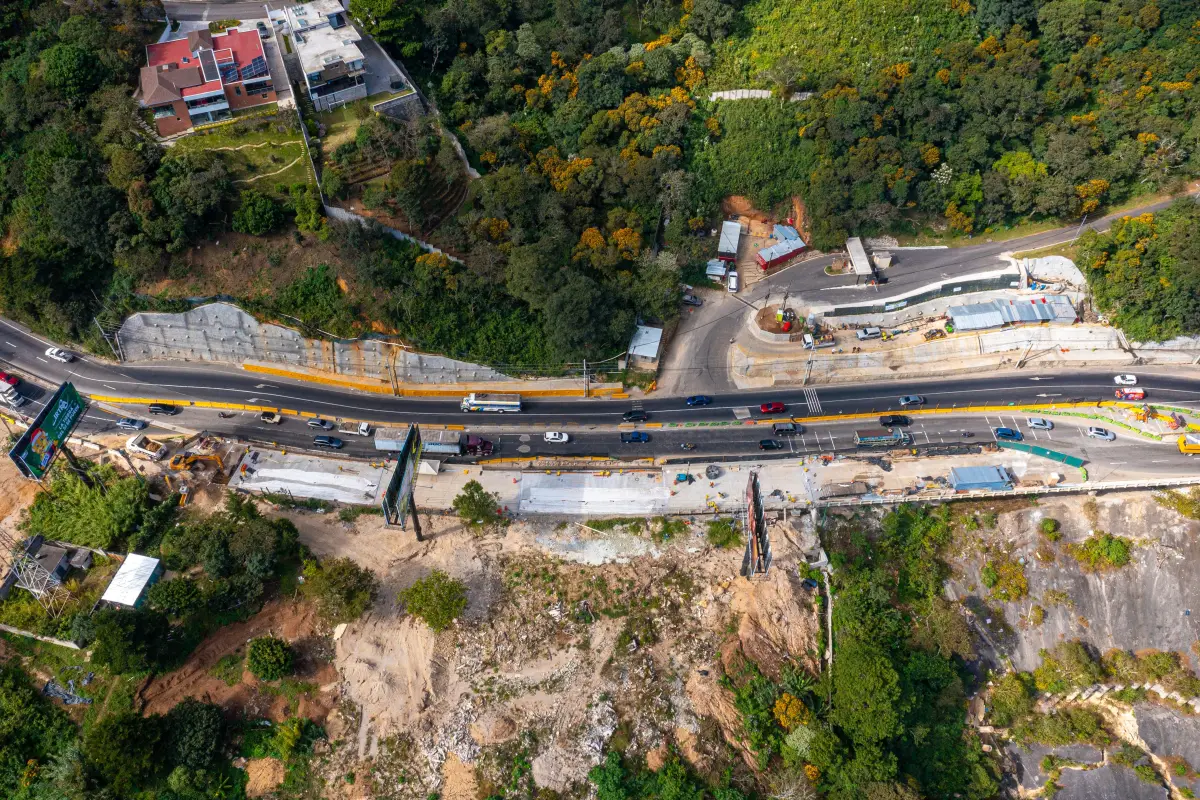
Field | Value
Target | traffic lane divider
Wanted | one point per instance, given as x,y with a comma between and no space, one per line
380,386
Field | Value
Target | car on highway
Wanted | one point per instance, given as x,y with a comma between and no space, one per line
163,409
772,408
912,400
323,424
770,444
636,415
1037,423
1008,434
635,437
14,399
60,355
270,417
11,380
1125,380
131,424
787,429
1103,434
699,400
894,420
556,437
328,441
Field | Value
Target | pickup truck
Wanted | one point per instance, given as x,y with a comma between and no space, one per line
363,429
142,445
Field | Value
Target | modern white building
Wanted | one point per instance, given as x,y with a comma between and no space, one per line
327,47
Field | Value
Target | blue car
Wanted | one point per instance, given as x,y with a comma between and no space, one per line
1009,434
699,400
636,437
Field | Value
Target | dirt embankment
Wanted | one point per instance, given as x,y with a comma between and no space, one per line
294,622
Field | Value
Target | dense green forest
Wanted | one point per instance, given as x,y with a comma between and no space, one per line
603,162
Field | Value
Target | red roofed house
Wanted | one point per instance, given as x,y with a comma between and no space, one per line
200,78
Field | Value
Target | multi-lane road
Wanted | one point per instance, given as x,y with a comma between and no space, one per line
592,423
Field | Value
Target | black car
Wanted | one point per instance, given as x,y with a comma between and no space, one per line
328,441
770,444
637,415
892,420
163,409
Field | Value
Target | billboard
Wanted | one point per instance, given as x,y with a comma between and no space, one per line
757,560
399,488
34,452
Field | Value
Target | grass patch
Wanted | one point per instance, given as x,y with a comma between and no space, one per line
1006,578
354,512
723,533
287,501
229,668
615,522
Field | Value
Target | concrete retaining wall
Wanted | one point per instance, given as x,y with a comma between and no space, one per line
224,333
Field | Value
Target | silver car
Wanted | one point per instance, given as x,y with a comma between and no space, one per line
1040,424
1101,433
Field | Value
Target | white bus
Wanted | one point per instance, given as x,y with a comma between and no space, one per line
500,403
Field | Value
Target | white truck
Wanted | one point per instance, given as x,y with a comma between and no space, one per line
363,429
499,403
142,445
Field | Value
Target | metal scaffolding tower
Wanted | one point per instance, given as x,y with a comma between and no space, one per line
26,573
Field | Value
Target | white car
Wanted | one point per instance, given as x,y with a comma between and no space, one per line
1040,424
557,437
1125,380
60,355
270,418
732,282
1101,433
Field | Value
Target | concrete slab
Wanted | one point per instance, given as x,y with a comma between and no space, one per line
593,494
310,477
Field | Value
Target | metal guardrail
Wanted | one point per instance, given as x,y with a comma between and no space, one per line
1073,488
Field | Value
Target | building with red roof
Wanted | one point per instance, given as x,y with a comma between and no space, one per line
203,77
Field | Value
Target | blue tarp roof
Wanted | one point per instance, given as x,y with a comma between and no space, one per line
784,248
979,477
785,232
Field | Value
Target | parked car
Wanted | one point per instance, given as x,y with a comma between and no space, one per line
1101,433
770,444
270,417
635,437
692,300
60,355
328,441
772,408
131,424
636,415
11,380
732,282
263,33
323,424
1008,434
14,399
869,333
557,437
1040,424
699,400
1125,380
912,400
892,420
163,409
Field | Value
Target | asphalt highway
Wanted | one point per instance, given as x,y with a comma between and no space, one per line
592,423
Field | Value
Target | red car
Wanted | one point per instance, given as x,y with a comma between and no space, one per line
772,408
11,380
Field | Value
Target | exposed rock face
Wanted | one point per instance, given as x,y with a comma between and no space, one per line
1168,732
1109,782
1028,760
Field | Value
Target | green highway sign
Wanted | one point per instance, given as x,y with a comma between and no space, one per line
34,452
